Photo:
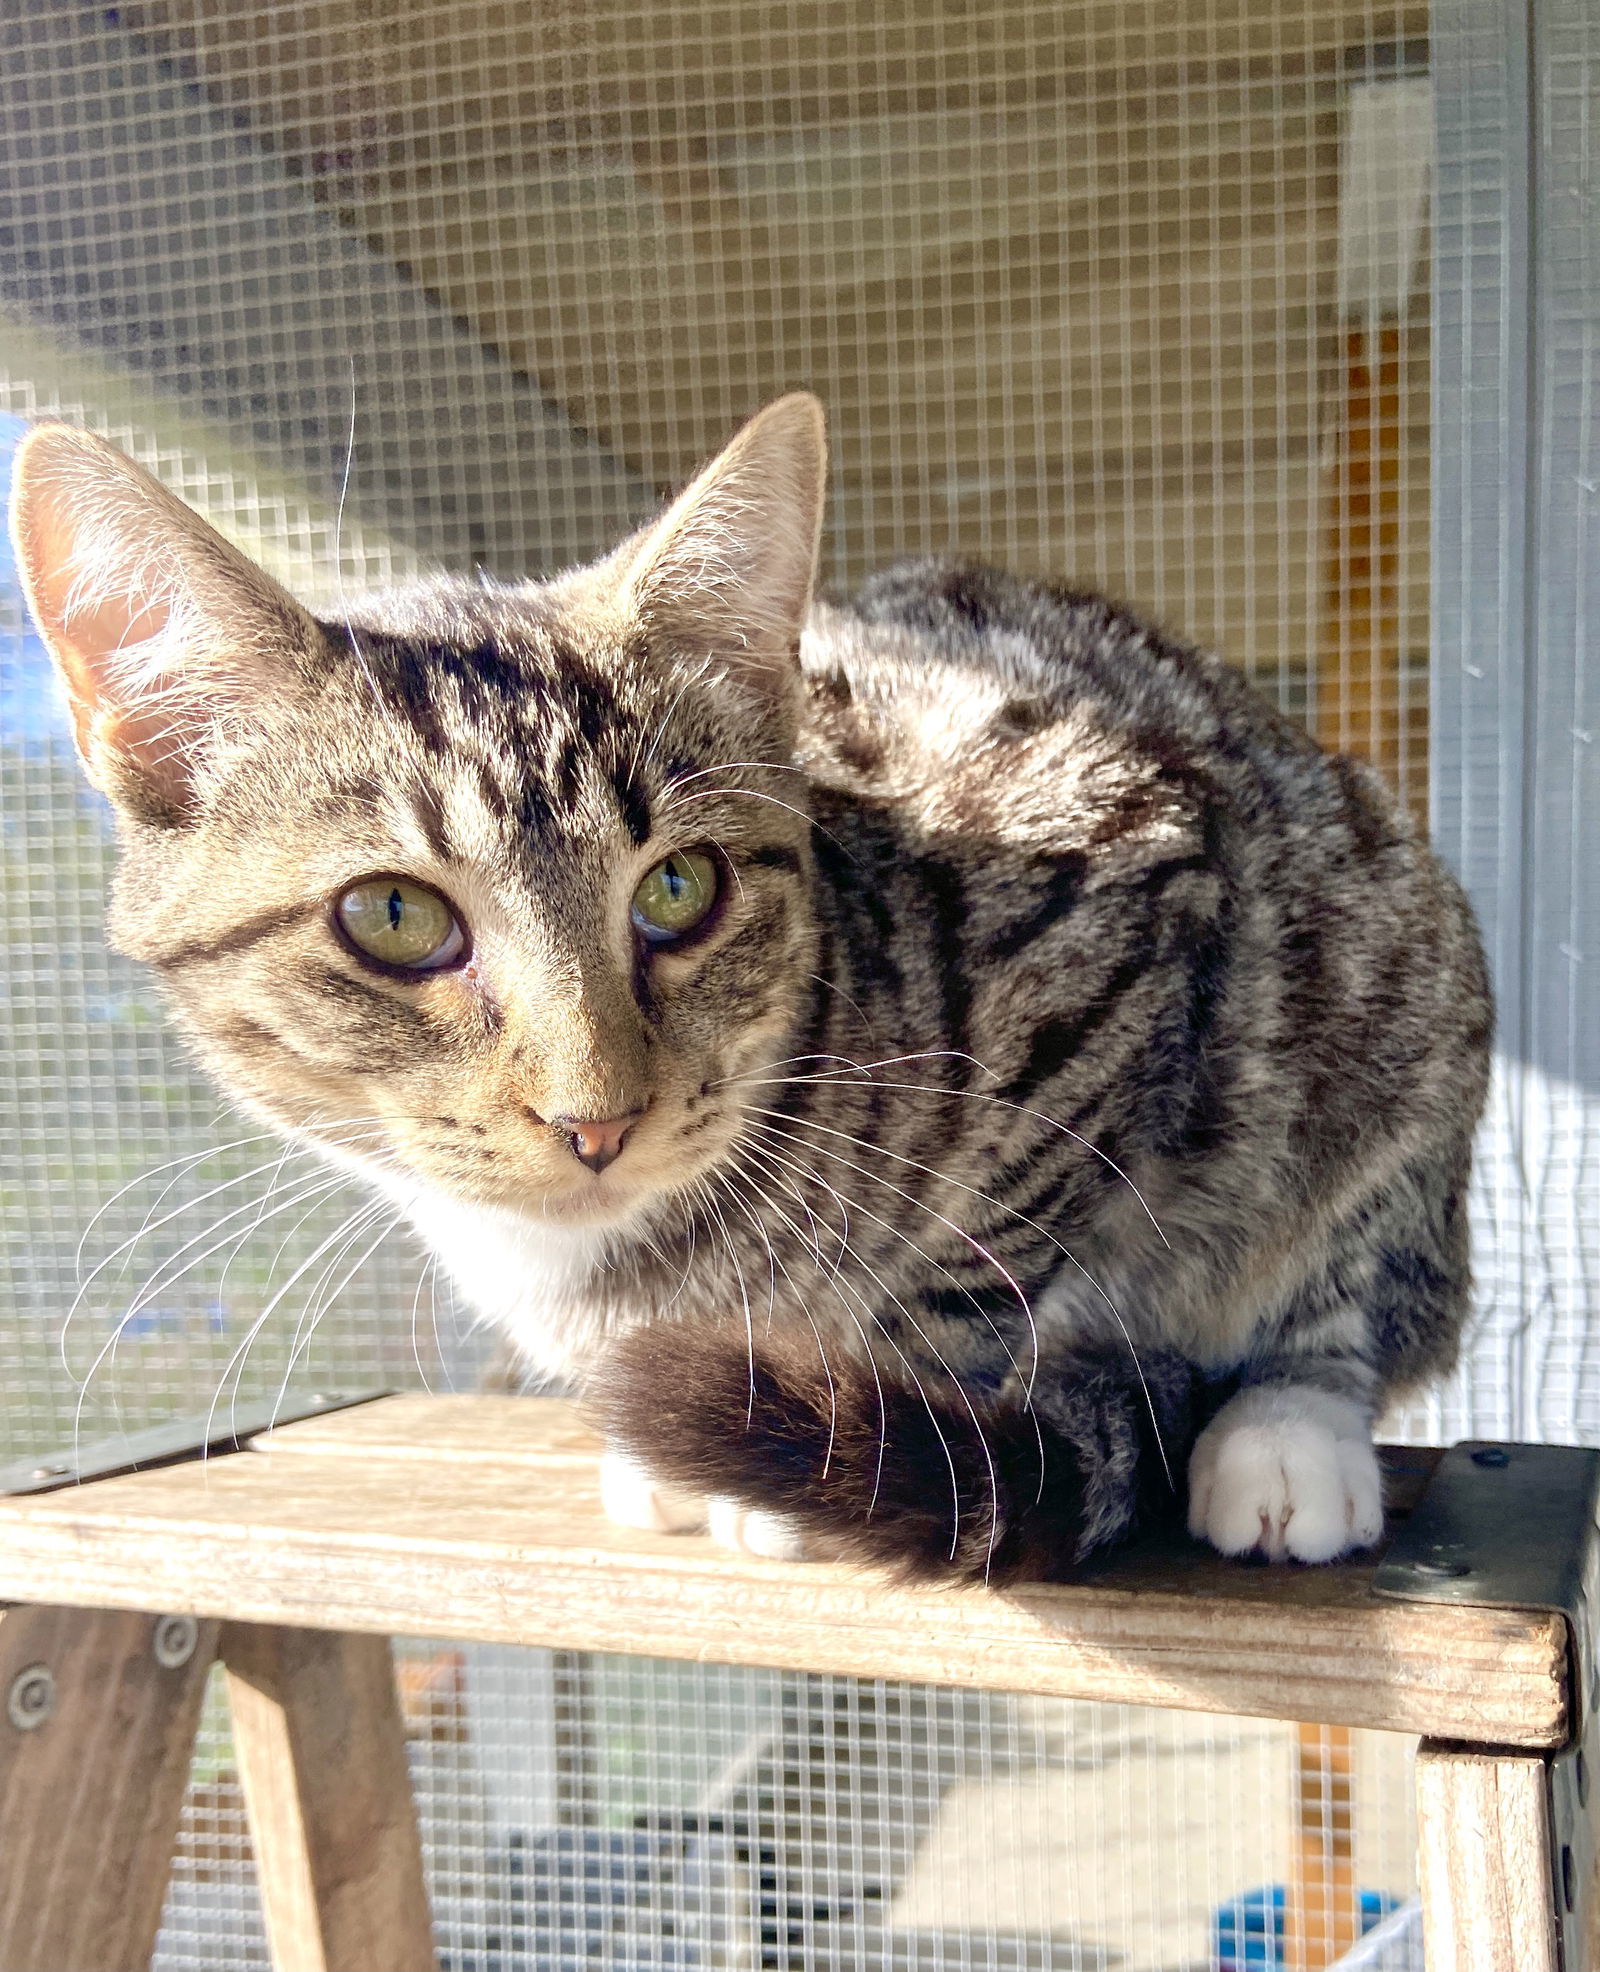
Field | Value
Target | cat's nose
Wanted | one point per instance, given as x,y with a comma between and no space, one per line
596,1141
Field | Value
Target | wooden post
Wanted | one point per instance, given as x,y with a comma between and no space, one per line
322,1758
98,1710
1322,1920
1358,705
1484,1860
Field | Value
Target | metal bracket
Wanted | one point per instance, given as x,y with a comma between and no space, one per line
175,1443
1518,1527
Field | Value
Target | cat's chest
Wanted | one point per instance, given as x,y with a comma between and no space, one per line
542,1285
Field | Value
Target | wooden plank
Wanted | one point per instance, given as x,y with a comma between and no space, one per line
498,1431
322,1758
1484,1861
402,1543
90,1797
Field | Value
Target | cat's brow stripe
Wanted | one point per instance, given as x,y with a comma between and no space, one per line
428,813
633,802
238,938
492,795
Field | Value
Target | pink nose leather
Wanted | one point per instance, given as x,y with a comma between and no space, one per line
596,1142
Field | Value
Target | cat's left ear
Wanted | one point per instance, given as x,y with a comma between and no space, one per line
727,572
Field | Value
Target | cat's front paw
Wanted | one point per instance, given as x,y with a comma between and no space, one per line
1288,1470
632,1497
749,1530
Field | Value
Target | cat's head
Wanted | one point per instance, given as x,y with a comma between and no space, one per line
492,886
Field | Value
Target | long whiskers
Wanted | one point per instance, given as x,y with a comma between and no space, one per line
164,1278
964,1095
233,1368
323,1298
177,1165
744,1296
933,1349
967,1239
775,1261
228,1233
837,1287
775,1157
960,1232
426,1274
124,1248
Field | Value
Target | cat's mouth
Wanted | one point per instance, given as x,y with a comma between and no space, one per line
566,1194
496,1162
602,1200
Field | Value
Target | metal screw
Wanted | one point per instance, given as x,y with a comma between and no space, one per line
32,1697
1492,1455
1445,1561
174,1641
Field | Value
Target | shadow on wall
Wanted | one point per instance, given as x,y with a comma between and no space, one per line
141,220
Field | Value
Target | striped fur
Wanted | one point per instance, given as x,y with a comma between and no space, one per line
1075,1044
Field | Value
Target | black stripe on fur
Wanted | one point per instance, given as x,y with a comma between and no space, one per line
936,1483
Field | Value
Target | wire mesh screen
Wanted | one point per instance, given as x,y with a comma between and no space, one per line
1173,302
628,1812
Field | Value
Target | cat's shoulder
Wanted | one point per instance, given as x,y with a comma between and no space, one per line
953,647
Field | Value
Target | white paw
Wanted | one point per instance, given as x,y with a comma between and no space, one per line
1289,1470
633,1499
749,1531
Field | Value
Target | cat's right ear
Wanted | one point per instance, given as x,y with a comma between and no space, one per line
164,635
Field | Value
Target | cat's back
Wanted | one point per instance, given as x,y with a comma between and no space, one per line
1034,707
1008,728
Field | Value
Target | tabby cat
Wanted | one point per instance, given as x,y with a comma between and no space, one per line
930,1068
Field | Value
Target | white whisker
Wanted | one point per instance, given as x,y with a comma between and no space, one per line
749,1324
775,1262
755,794
960,1232
300,1346
1116,1313
928,1343
971,1095
833,1281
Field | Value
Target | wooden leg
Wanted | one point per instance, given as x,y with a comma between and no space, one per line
322,1757
98,1710
1322,1921
1484,1858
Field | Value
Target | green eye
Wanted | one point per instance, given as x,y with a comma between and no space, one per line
401,924
675,896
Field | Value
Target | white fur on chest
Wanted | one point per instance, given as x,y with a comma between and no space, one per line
536,1282
539,1284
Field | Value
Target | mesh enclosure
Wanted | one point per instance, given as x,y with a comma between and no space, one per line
1233,310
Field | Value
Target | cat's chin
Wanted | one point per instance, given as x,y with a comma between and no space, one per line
601,1205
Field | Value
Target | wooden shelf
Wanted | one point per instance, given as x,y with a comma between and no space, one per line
479,1518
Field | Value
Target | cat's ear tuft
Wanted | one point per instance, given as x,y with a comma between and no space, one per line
727,572
164,635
